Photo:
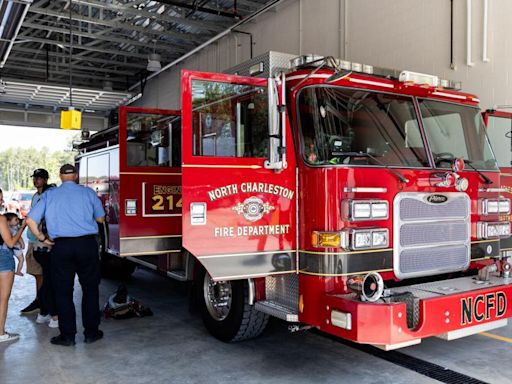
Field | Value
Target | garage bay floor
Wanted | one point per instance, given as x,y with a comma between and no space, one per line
174,347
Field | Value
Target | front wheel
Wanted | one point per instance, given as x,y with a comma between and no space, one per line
225,309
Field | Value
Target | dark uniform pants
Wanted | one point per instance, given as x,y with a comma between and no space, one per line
70,256
46,293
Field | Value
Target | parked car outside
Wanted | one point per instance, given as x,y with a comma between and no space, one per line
19,203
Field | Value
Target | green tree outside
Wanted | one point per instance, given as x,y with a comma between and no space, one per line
17,165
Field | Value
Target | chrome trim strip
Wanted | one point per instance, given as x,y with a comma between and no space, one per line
252,291
444,94
492,189
149,253
365,189
221,166
369,82
149,246
246,254
244,266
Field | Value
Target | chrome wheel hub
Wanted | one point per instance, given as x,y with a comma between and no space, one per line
217,297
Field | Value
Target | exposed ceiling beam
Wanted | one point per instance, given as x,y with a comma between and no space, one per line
205,25
110,51
197,8
117,24
64,65
132,64
109,38
54,73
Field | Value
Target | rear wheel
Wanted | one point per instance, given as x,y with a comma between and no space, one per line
112,266
225,309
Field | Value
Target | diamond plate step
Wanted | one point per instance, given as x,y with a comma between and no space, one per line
277,310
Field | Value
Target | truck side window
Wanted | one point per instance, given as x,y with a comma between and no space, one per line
151,140
229,120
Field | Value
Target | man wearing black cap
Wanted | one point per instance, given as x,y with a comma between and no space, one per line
40,180
72,212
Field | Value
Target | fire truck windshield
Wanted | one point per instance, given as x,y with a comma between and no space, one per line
499,130
336,120
456,131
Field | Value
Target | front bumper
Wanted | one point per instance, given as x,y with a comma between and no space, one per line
449,309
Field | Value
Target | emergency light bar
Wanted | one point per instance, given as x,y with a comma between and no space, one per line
305,61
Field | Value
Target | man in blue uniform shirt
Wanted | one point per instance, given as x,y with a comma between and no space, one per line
71,212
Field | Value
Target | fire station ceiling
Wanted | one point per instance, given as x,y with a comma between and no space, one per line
111,39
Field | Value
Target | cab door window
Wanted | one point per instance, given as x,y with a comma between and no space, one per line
151,140
229,120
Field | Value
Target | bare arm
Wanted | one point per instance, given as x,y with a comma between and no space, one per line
6,234
100,220
33,226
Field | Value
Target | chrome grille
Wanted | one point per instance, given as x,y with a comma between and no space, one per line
422,234
419,209
430,238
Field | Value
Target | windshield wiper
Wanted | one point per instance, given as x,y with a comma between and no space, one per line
448,157
487,181
365,154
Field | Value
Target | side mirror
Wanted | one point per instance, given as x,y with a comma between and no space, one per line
276,126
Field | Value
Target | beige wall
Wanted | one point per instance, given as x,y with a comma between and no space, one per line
405,34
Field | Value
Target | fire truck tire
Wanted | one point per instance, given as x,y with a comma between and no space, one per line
236,321
116,267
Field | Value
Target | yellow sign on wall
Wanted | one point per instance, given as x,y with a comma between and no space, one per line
71,119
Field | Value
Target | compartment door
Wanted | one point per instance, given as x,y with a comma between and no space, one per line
238,216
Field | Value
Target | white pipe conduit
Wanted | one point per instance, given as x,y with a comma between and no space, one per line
485,58
469,4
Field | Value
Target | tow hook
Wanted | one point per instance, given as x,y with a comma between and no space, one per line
297,328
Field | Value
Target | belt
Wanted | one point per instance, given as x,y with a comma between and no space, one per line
41,249
75,237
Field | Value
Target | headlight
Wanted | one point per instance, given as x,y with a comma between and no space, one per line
487,230
494,206
369,238
368,210
362,239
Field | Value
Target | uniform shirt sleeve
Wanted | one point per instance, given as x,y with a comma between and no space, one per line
97,207
37,212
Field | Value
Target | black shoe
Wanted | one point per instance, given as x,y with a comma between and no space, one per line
61,340
96,337
31,308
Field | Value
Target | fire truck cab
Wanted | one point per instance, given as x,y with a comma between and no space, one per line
361,201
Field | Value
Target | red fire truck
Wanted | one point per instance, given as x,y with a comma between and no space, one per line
361,201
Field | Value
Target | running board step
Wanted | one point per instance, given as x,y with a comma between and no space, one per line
277,310
457,334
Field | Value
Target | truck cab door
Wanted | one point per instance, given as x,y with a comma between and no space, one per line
239,216
149,187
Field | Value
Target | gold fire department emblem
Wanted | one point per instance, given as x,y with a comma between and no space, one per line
253,208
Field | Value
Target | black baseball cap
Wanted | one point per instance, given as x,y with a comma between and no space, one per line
42,173
67,169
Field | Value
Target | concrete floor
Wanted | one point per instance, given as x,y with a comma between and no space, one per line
173,347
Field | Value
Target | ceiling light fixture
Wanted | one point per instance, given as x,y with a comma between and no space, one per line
154,58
